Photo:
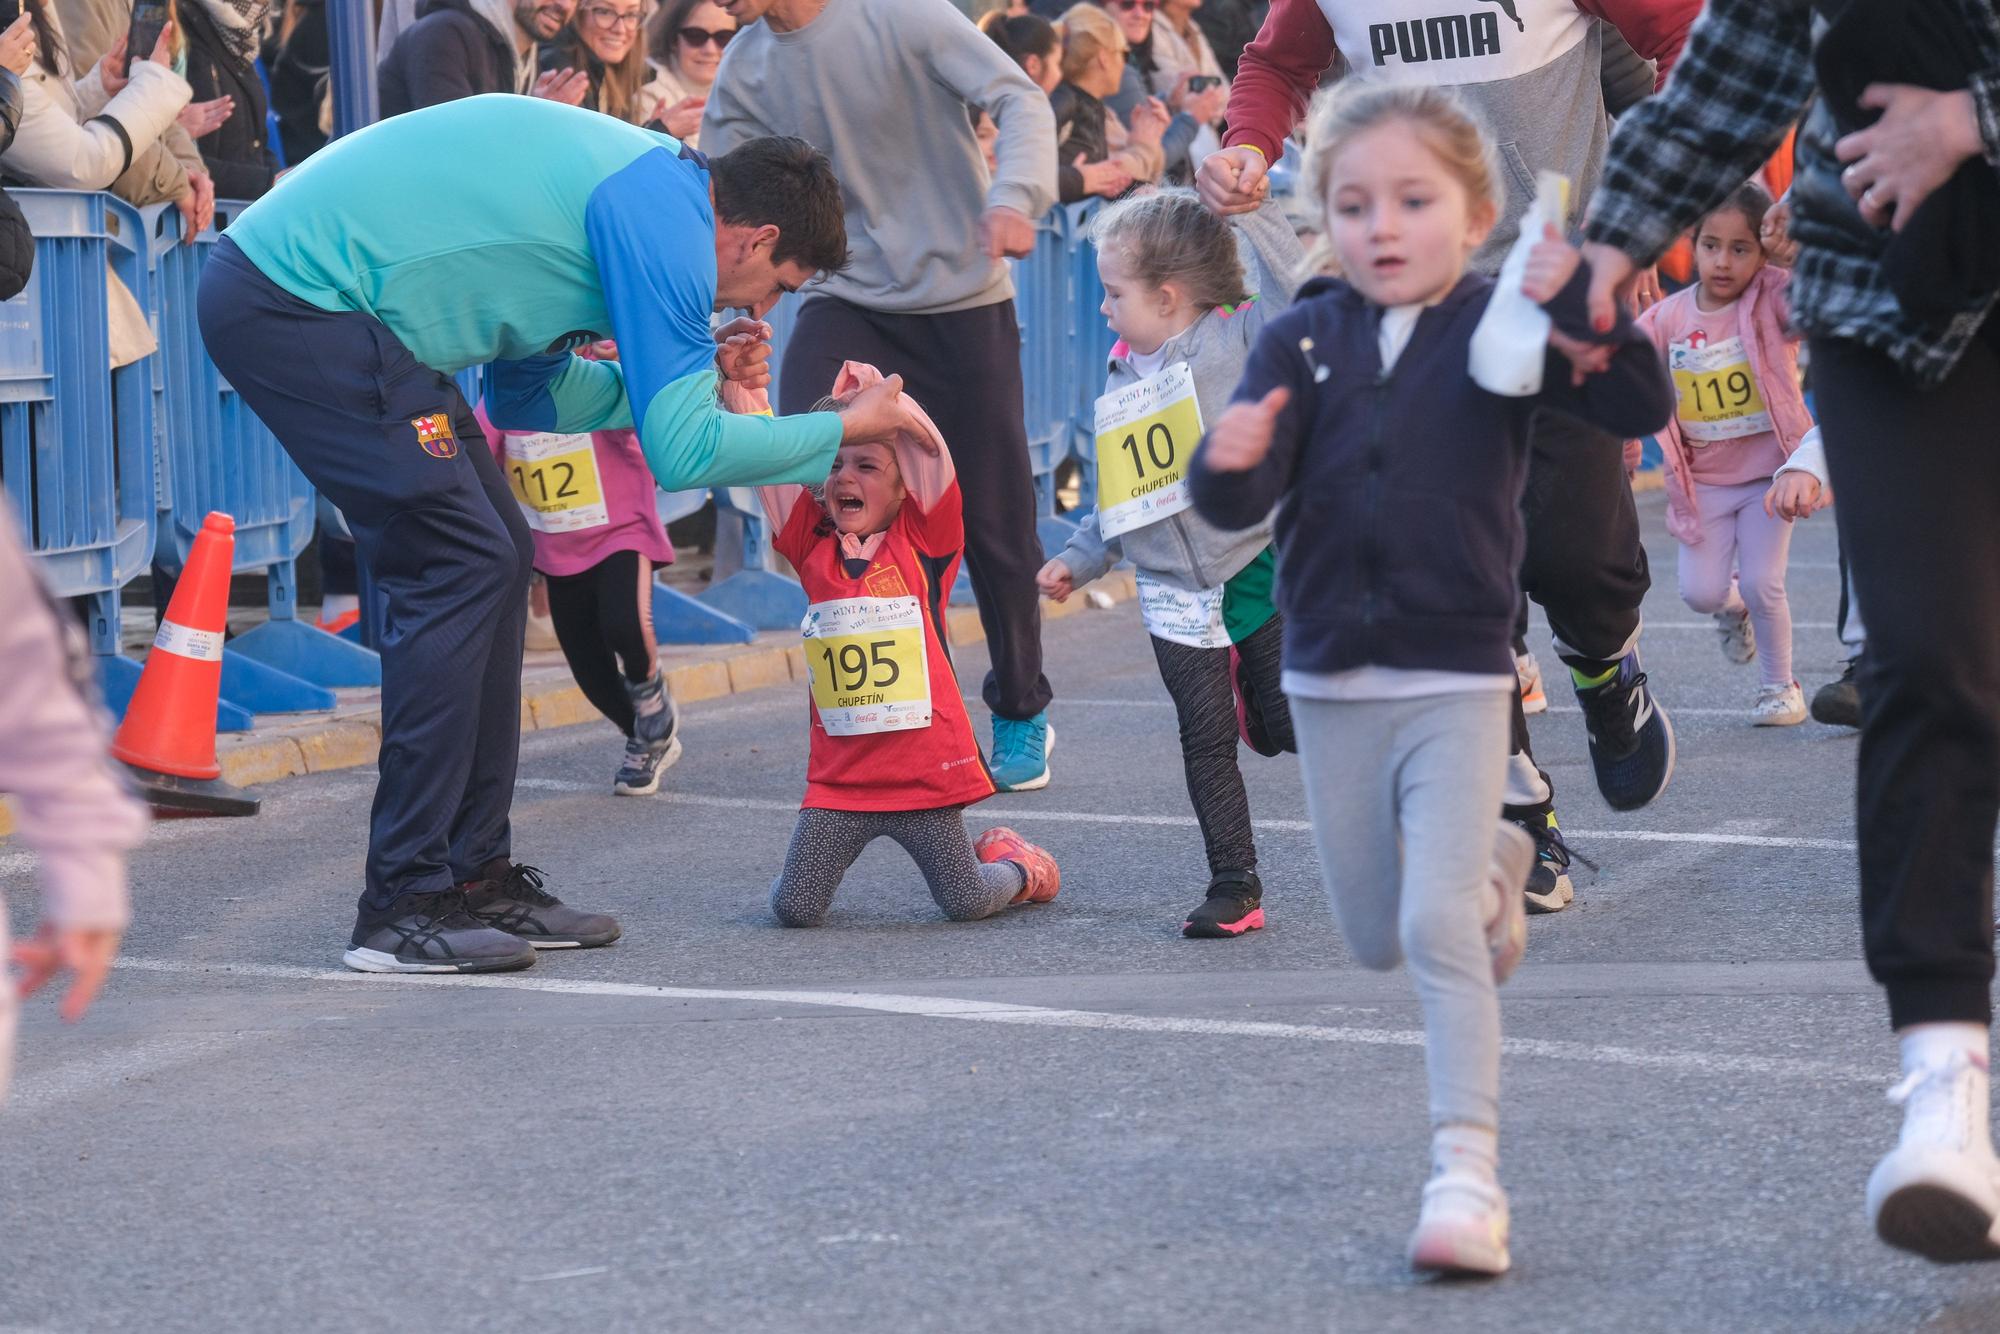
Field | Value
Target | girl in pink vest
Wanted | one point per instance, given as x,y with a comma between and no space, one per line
1738,418
590,500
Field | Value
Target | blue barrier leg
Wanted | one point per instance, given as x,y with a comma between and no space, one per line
759,598
117,677
310,654
253,686
681,619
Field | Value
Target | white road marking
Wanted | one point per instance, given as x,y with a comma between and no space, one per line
1001,1012
1029,814
1673,710
39,1090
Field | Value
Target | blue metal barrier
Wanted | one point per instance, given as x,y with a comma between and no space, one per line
216,455
76,437
1043,301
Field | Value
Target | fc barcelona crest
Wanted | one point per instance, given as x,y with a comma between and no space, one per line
434,434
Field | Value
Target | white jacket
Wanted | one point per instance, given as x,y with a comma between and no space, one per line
1809,458
74,137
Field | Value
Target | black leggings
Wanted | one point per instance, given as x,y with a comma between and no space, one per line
1916,477
1205,701
604,622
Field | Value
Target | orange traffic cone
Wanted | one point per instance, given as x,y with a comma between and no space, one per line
168,736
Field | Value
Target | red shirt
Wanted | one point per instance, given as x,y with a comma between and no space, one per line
925,768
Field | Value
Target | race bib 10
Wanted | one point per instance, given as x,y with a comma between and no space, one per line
1718,394
1146,433
555,479
866,661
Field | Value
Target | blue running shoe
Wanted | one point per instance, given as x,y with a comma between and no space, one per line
1021,750
1631,740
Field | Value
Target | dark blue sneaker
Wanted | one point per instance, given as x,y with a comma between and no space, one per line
1021,749
1631,740
432,933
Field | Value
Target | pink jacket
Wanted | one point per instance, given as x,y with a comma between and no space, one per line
73,806
1763,313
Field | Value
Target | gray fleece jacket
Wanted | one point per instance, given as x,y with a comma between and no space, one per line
1183,549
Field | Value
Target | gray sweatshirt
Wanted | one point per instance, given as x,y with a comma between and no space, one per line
882,87
1183,549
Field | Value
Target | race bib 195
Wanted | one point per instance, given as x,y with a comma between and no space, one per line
555,479
866,661
1146,433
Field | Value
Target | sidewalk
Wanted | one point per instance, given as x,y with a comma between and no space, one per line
286,745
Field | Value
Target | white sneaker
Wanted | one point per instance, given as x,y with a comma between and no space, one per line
1937,1193
1463,1227
1739,637
1534,699
1779,706
1506,907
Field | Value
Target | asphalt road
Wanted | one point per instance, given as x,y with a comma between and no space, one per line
1066,1118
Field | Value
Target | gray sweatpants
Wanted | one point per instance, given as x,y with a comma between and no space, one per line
1403,795
825,843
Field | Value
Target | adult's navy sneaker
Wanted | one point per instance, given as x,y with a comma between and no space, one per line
1234,907
1631,739
1021,750
510,898
432,933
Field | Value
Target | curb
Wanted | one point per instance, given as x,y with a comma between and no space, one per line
551,699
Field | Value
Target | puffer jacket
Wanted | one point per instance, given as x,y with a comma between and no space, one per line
91,28
74,137
1183,549
17,243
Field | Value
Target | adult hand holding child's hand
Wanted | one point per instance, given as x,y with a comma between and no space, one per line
1056,580
1242,434
877,415
743,354
1234,180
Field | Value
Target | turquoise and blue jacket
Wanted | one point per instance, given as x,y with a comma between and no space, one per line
511,230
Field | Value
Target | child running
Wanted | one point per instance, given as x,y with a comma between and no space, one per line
1174,293
1740,415
590,501
1397,482
892,751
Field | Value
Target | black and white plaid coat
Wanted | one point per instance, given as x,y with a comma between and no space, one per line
1742,81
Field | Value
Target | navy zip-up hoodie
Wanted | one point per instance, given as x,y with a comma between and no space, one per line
1399,529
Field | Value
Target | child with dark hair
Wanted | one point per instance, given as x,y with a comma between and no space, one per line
1740,415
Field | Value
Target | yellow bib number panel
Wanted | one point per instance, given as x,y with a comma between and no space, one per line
1719,399
1146,434
867,664
555,479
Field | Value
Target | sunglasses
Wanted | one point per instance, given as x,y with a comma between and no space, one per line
702,36
1146,6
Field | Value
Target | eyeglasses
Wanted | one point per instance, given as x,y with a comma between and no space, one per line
702,36
611,18
1145,6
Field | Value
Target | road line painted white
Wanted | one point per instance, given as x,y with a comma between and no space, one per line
1001,1012
1028,814
39,1090
1673,710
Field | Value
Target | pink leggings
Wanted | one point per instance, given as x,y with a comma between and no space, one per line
1737,536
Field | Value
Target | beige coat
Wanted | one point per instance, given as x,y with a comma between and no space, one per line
159,170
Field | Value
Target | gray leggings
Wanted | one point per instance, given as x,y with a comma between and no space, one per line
825,843
1403,795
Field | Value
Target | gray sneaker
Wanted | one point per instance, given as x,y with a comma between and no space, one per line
510,898
1739,637
432,933
639,772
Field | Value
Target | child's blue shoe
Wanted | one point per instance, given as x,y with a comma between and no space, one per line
1021,749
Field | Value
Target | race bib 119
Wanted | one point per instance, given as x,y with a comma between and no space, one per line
1146,433
1718,393
866,661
